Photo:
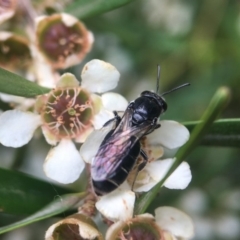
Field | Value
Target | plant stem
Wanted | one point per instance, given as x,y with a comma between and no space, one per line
217,104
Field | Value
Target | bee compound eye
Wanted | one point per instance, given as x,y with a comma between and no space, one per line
164,106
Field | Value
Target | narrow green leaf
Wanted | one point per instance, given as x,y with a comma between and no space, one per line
217,104
14,84
222,133
23,194
60,205
219,101
88,8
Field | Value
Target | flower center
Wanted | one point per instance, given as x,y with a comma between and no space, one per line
144,230
68,112
61,41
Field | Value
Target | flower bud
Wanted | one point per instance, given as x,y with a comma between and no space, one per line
14,51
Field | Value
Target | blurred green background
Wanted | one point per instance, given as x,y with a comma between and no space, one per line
195,41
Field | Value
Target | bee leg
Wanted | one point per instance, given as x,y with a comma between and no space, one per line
140,166
116,118
145,160
154,125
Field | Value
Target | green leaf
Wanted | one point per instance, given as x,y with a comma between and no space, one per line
14,84
58,206
217,104
88,8
222,133
23,194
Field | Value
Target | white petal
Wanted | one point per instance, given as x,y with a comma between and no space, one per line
113,229
11,98
37,20
99,76
68,20
97,102
180,178
146,184
49,137
114,102
64,163
117,205
171,135
82,138
6,15
101,118
21,103
175,221
168,236
90,147
155,171
17,128
67,80
50,77
4,35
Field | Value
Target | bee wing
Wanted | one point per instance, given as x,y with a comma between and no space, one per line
116,146
91,146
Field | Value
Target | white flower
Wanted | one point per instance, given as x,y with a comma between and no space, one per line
118,205
170,135
62,39
69,112
77,226
169,223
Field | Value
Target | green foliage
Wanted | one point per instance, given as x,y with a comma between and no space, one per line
89,8
22,194
16,85
59,205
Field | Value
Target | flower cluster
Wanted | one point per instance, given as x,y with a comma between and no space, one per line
47,43
68,113
75,113
168,223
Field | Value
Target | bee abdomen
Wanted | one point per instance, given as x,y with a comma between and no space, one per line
120,174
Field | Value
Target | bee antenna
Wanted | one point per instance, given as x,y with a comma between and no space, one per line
158,78
176,88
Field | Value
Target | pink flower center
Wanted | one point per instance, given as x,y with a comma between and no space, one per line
68,112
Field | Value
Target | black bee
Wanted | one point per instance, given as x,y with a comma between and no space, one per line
121,147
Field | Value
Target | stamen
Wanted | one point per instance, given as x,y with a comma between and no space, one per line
68,112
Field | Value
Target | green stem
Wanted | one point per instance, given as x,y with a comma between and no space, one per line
219,101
